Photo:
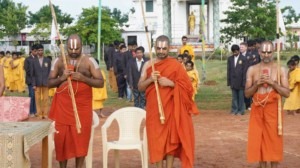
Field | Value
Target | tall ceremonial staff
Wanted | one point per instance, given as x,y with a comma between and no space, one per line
160,107
278,69
62,49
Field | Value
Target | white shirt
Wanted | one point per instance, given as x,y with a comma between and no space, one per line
139,63
235,60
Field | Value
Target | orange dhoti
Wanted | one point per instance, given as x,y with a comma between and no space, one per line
69,143
176,136
264,143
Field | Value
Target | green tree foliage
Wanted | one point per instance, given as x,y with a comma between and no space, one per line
42,20
289,15
44,16
251,18
12,18
87,26
119,17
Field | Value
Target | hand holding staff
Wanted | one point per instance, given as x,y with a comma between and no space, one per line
278,69
62,49
160,107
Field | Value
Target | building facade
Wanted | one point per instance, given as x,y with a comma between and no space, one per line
171,18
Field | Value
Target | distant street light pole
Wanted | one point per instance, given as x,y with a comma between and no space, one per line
99,29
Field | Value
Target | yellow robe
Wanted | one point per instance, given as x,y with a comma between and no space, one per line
7,70
14,75
22,84
99,95
293,101
190,49
194,76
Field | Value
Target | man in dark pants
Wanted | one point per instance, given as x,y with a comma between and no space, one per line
236,78
135,67
120,70
40,72
27,68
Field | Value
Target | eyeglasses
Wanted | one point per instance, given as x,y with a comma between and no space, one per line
264,52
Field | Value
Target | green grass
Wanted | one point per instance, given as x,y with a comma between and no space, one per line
216,97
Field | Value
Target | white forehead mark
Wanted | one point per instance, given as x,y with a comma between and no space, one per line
162,44
75,43
264,48
269,48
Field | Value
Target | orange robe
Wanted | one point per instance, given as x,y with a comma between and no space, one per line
68,143
264,143
176,136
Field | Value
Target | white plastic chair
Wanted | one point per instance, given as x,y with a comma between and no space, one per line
88,158
129,120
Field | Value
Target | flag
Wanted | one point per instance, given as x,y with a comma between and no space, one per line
53,35
281,23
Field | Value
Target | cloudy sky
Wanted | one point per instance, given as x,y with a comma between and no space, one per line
74,7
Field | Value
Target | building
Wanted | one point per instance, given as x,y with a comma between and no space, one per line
171,18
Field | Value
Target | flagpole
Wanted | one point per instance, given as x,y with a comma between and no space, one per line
99,28
203,39
278,69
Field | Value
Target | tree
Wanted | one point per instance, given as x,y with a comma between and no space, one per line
12,18
42,20
119,17
87,26
251,18
290,16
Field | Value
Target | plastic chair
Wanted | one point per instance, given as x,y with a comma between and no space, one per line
88,158
129,120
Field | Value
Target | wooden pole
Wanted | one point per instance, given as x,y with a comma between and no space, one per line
160,107
62,49
278,69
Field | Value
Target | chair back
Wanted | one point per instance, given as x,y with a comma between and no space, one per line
129,120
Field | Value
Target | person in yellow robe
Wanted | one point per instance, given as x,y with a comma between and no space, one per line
292,103
187,47
99,96
14,72
192,20
21,84
193,75
7,68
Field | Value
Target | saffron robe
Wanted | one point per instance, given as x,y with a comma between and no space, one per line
68,143
176,136
264,143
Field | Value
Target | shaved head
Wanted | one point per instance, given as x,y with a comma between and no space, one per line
74,45
266,51
162,47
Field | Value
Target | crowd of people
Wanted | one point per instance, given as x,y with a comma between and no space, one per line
256,82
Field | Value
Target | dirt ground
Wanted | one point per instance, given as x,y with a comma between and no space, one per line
221,141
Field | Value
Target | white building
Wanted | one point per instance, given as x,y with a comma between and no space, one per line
170,17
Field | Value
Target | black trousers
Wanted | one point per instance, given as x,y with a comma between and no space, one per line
121,81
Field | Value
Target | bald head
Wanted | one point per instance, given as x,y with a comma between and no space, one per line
162,47
266,51
74,45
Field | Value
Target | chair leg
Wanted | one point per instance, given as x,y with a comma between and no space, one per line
145,156
105,157
50,149
117,159
142,158
89,157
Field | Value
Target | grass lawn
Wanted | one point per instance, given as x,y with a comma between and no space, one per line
213,96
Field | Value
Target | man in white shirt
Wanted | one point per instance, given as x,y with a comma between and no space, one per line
236,79
135,67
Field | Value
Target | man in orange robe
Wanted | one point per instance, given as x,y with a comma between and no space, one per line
85,74
174,138
264,143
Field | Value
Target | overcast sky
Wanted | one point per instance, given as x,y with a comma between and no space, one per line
74,7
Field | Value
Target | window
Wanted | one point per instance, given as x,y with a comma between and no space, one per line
131,39
149,6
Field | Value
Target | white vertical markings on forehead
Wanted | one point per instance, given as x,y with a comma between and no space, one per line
75,43
71,43
267,48
162,44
